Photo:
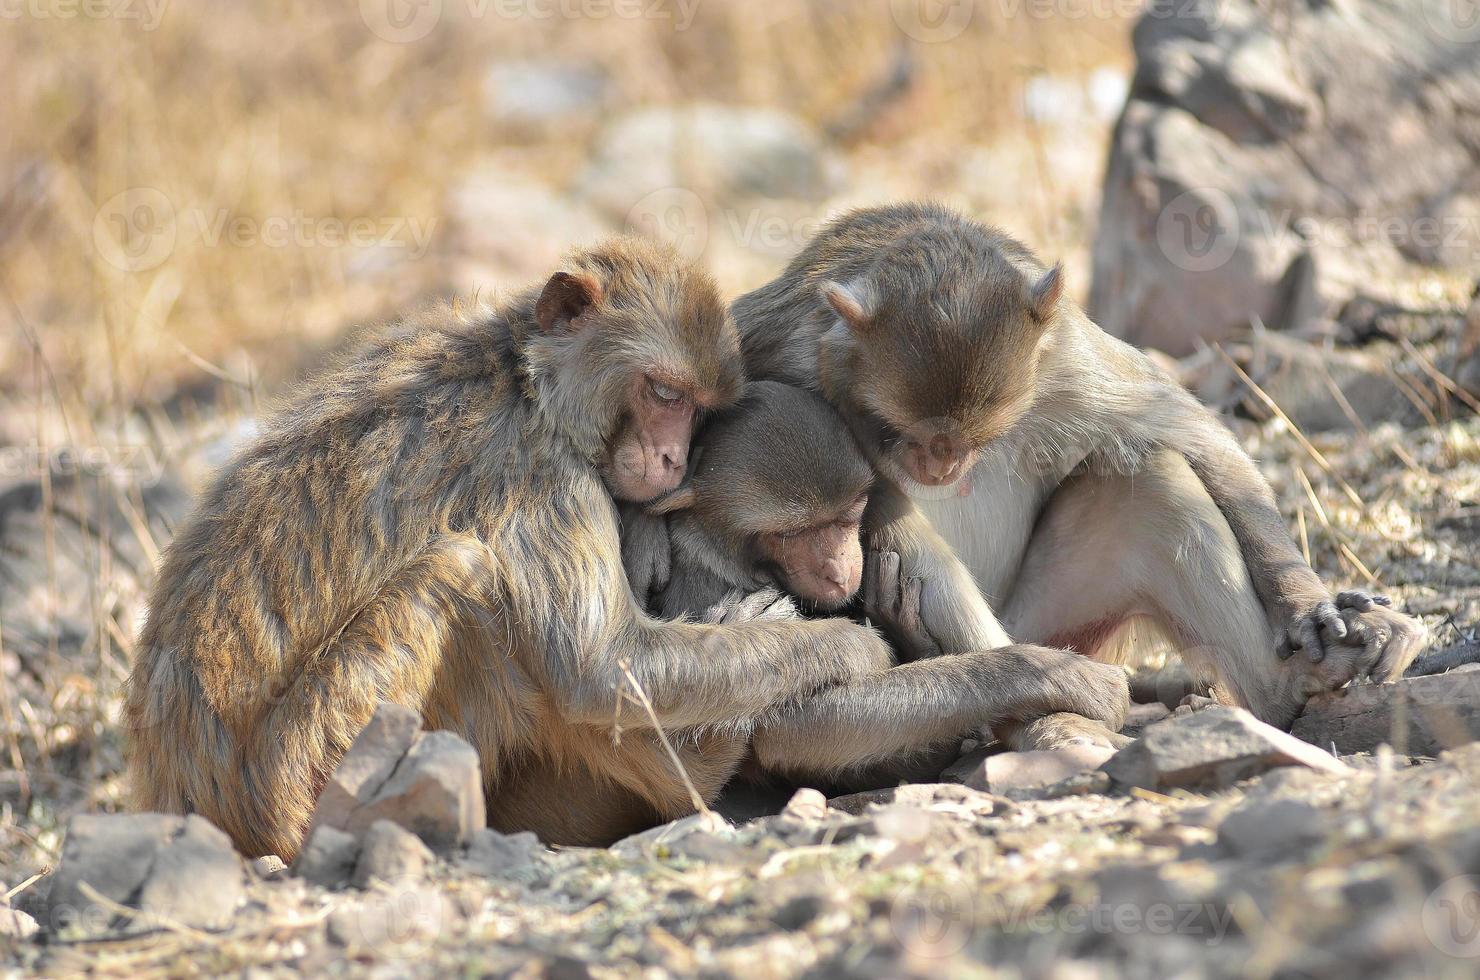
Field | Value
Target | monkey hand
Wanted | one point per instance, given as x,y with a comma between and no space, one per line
893,605
1369,639
1043,681
767,605
1380,641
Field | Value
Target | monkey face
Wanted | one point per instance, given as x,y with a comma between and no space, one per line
650,454
822,563
942,365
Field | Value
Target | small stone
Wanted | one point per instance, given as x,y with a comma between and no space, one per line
806,804
1214,747
672,832
15,924
197,880
328,858
268,866
1267,827
496,855
365,768
390,853
179,869
1027,770
436,793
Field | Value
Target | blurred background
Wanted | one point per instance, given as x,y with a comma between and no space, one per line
198,200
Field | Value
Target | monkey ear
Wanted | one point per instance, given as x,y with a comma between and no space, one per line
1044,294
853,302
565,297
675,500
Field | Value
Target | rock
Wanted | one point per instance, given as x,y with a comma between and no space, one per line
1027,770
268,866
1234,188
496,855
970,761
510,228
179,869
1261,826
429,783
537,92
934,795
1416,715
1210,748
365,768
328,857
720,153
672,832
390,853
436,792
806,804
15,924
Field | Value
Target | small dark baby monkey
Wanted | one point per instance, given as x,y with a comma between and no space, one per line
775,499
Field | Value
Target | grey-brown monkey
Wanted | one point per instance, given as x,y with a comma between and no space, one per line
433,523
1078,483
775,499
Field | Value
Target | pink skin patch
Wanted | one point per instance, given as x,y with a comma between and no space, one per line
1086,638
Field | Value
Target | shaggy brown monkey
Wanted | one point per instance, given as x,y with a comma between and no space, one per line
775,499
1077,481
433,524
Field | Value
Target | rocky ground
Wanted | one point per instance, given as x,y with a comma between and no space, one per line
1250,863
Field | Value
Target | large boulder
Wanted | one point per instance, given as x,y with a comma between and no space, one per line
1275,159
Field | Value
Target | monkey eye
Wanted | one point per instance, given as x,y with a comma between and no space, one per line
664,393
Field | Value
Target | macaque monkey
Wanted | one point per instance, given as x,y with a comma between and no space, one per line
1079,484
775,500
433,523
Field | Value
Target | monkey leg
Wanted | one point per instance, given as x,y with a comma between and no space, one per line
582,788
251,749
1109,547
917,707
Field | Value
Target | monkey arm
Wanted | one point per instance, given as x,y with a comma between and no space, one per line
589,646
916,706
952,609
1299,604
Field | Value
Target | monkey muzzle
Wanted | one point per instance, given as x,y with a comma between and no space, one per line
938,461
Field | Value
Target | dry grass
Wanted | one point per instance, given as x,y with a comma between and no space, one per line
221,116
243,112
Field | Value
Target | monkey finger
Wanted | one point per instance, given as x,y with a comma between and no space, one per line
1355,599
1383,600
889,583
1332,625
1284,649
1307,636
